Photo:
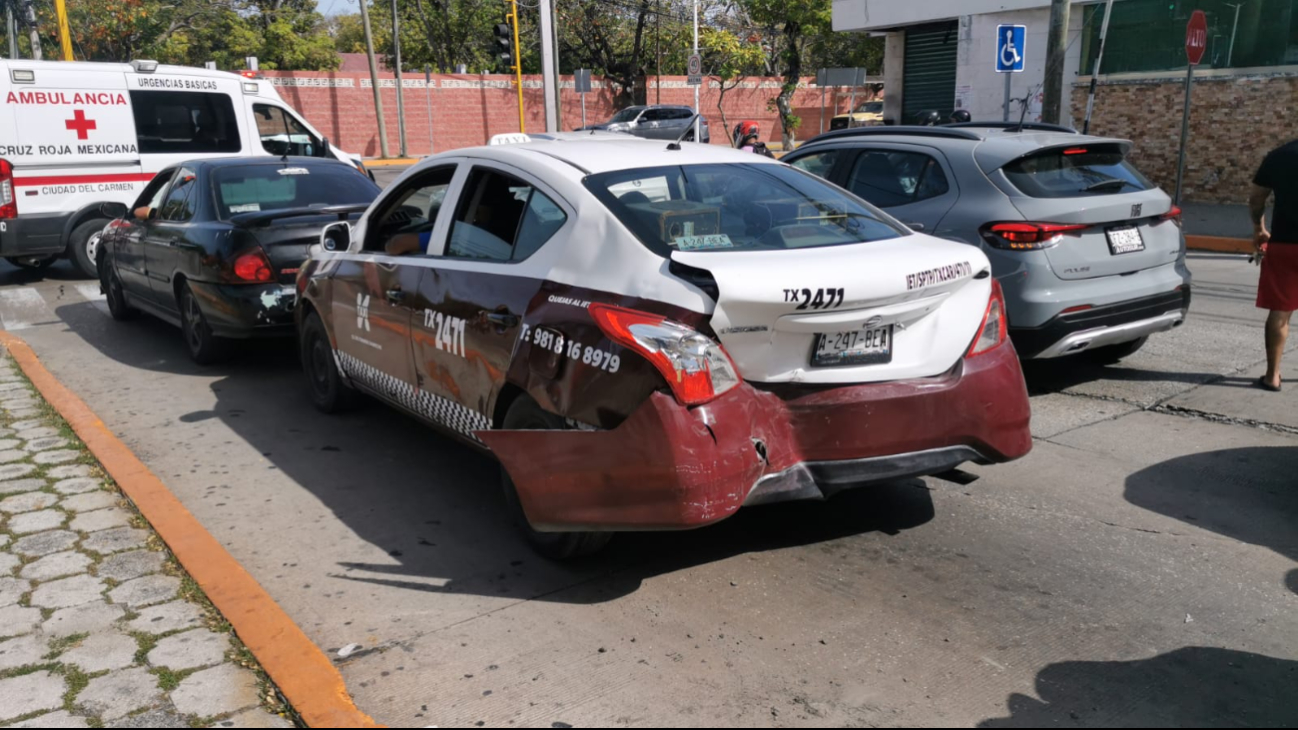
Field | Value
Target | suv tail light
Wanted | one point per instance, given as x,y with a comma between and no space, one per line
8,201
995,326
696,367
1028,236
253,266
1173,215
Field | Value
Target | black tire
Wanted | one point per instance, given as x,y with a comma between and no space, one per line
525,415
1114,354
32,263
205,348
78,244
329,391
113,293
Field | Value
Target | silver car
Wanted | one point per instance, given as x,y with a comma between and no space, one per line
1090,253
654,122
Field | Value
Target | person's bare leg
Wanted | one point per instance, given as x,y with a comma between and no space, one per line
1277,334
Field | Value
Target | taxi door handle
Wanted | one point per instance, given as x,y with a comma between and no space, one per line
503,319
395,296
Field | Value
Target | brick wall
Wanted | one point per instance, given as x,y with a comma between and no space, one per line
1235,121
469,110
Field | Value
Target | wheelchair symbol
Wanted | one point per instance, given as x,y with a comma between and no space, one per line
1010,57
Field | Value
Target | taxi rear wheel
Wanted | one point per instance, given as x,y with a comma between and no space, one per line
329,392
525,415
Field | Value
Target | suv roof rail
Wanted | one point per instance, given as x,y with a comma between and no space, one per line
1031,126
904,131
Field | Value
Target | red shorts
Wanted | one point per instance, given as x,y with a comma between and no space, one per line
1278,290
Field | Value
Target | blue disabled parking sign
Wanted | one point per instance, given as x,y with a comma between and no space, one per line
1011,48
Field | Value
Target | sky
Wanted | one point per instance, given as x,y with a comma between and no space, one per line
335,7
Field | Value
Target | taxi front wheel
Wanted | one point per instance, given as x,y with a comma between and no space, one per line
329,391
525,415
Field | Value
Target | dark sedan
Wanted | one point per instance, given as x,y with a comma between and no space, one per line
214,246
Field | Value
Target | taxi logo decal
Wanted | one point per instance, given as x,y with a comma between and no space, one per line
940,275
363,312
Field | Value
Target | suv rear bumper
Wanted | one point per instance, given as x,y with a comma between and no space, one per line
1076,332
670,467
33,234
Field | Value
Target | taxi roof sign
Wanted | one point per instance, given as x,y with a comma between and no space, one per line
512,138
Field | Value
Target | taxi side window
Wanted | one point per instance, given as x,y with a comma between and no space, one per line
406,227
178,206
502,218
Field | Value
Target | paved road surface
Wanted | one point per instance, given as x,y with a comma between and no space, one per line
1139,567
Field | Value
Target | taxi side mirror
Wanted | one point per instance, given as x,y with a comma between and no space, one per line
113,211
336,237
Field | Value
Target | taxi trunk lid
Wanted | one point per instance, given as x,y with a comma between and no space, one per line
928,295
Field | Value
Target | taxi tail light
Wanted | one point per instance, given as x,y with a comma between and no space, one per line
1028,236
8,202
995,327
695,366
253,266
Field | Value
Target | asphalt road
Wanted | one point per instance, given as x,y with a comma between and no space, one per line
1140,567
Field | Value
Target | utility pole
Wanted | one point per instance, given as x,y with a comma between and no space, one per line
658,43
548,71
401,91
698,125
374,78
65,37
29,11
518,64
1230,57
13,30
1058,46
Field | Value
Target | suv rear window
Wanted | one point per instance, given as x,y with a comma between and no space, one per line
736,207
1074,172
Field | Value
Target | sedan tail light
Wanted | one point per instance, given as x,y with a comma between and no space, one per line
1028,236
995,327
696,367
8,202
253,266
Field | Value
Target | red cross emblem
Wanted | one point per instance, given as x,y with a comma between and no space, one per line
80,124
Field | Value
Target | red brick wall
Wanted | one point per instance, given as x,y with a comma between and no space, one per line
469,110
1235,122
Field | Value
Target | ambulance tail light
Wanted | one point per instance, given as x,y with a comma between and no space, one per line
696,367
8,201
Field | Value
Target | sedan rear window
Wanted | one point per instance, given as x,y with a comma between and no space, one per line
258,188
1076,172
737,207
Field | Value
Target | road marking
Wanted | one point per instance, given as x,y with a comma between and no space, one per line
92,294
24,308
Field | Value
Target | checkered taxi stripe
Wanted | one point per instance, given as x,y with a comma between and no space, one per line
435,408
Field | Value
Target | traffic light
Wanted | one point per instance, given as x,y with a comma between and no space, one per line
505,44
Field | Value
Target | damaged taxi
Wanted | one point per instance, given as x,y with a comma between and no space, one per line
652,336
214,246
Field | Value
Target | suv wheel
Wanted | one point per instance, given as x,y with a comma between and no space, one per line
83,244
204,347
329,392
525,415
1113,354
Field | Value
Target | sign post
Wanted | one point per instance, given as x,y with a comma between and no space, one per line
696,80
428,92
1196,43
1011,56
581,81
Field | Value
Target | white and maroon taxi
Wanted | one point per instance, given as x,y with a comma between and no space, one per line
652,336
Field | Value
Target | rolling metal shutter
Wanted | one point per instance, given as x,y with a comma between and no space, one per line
928,81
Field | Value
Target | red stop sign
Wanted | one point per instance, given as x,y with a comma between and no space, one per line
1196,37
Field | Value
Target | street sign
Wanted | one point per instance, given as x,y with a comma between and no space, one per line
1011,48
695,70
581,80
843,77
1196,37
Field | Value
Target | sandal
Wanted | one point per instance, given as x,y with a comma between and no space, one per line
1261,383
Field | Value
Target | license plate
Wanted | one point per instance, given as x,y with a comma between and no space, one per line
872,346
1125,240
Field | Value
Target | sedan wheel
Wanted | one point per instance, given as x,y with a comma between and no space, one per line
204,347
112,285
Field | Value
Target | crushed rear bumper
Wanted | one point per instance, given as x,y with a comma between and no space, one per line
670,467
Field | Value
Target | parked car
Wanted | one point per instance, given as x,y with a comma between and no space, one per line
653,336
1090,253
654,122
868,114
214,246
78,135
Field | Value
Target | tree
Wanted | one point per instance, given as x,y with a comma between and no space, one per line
610,39
347,32
730,59
796,25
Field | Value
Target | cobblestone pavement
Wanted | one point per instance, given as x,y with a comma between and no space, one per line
99,627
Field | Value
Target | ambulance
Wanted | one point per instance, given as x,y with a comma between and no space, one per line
74,136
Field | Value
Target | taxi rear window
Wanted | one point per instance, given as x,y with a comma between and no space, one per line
737,207
1073,172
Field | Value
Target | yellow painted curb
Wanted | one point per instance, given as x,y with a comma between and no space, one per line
1217,244
395,162
302,672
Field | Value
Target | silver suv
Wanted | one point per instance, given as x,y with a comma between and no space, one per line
1090,253
654,122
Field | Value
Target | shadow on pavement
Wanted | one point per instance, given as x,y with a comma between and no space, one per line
1190,687
433,505
1248,494
61,270
1054,376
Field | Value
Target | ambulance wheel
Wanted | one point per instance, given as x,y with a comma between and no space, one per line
32,263
204,347
84,244
525,415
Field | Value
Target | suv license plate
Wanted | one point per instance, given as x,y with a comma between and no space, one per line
872,346
1125,240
